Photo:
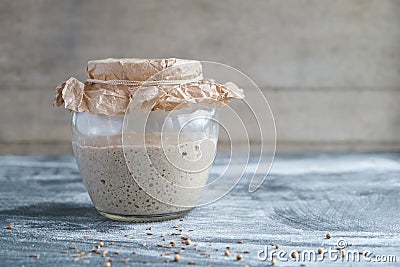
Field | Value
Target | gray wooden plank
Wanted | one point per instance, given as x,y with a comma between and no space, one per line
354,197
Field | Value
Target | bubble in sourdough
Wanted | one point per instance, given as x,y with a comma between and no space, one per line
172,174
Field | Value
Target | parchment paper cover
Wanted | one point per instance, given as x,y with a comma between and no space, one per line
97,96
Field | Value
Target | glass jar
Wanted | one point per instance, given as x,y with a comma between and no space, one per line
144,134
155,175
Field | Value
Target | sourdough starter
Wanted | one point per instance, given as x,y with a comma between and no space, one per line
112,175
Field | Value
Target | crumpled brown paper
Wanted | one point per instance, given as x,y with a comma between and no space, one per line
111,99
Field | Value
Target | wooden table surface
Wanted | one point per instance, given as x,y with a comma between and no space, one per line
354,197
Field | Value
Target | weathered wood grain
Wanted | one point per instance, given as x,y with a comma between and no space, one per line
354,197
329,68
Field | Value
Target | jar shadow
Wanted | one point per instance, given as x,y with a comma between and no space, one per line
48,209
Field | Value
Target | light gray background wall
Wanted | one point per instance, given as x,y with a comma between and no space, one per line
330,69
